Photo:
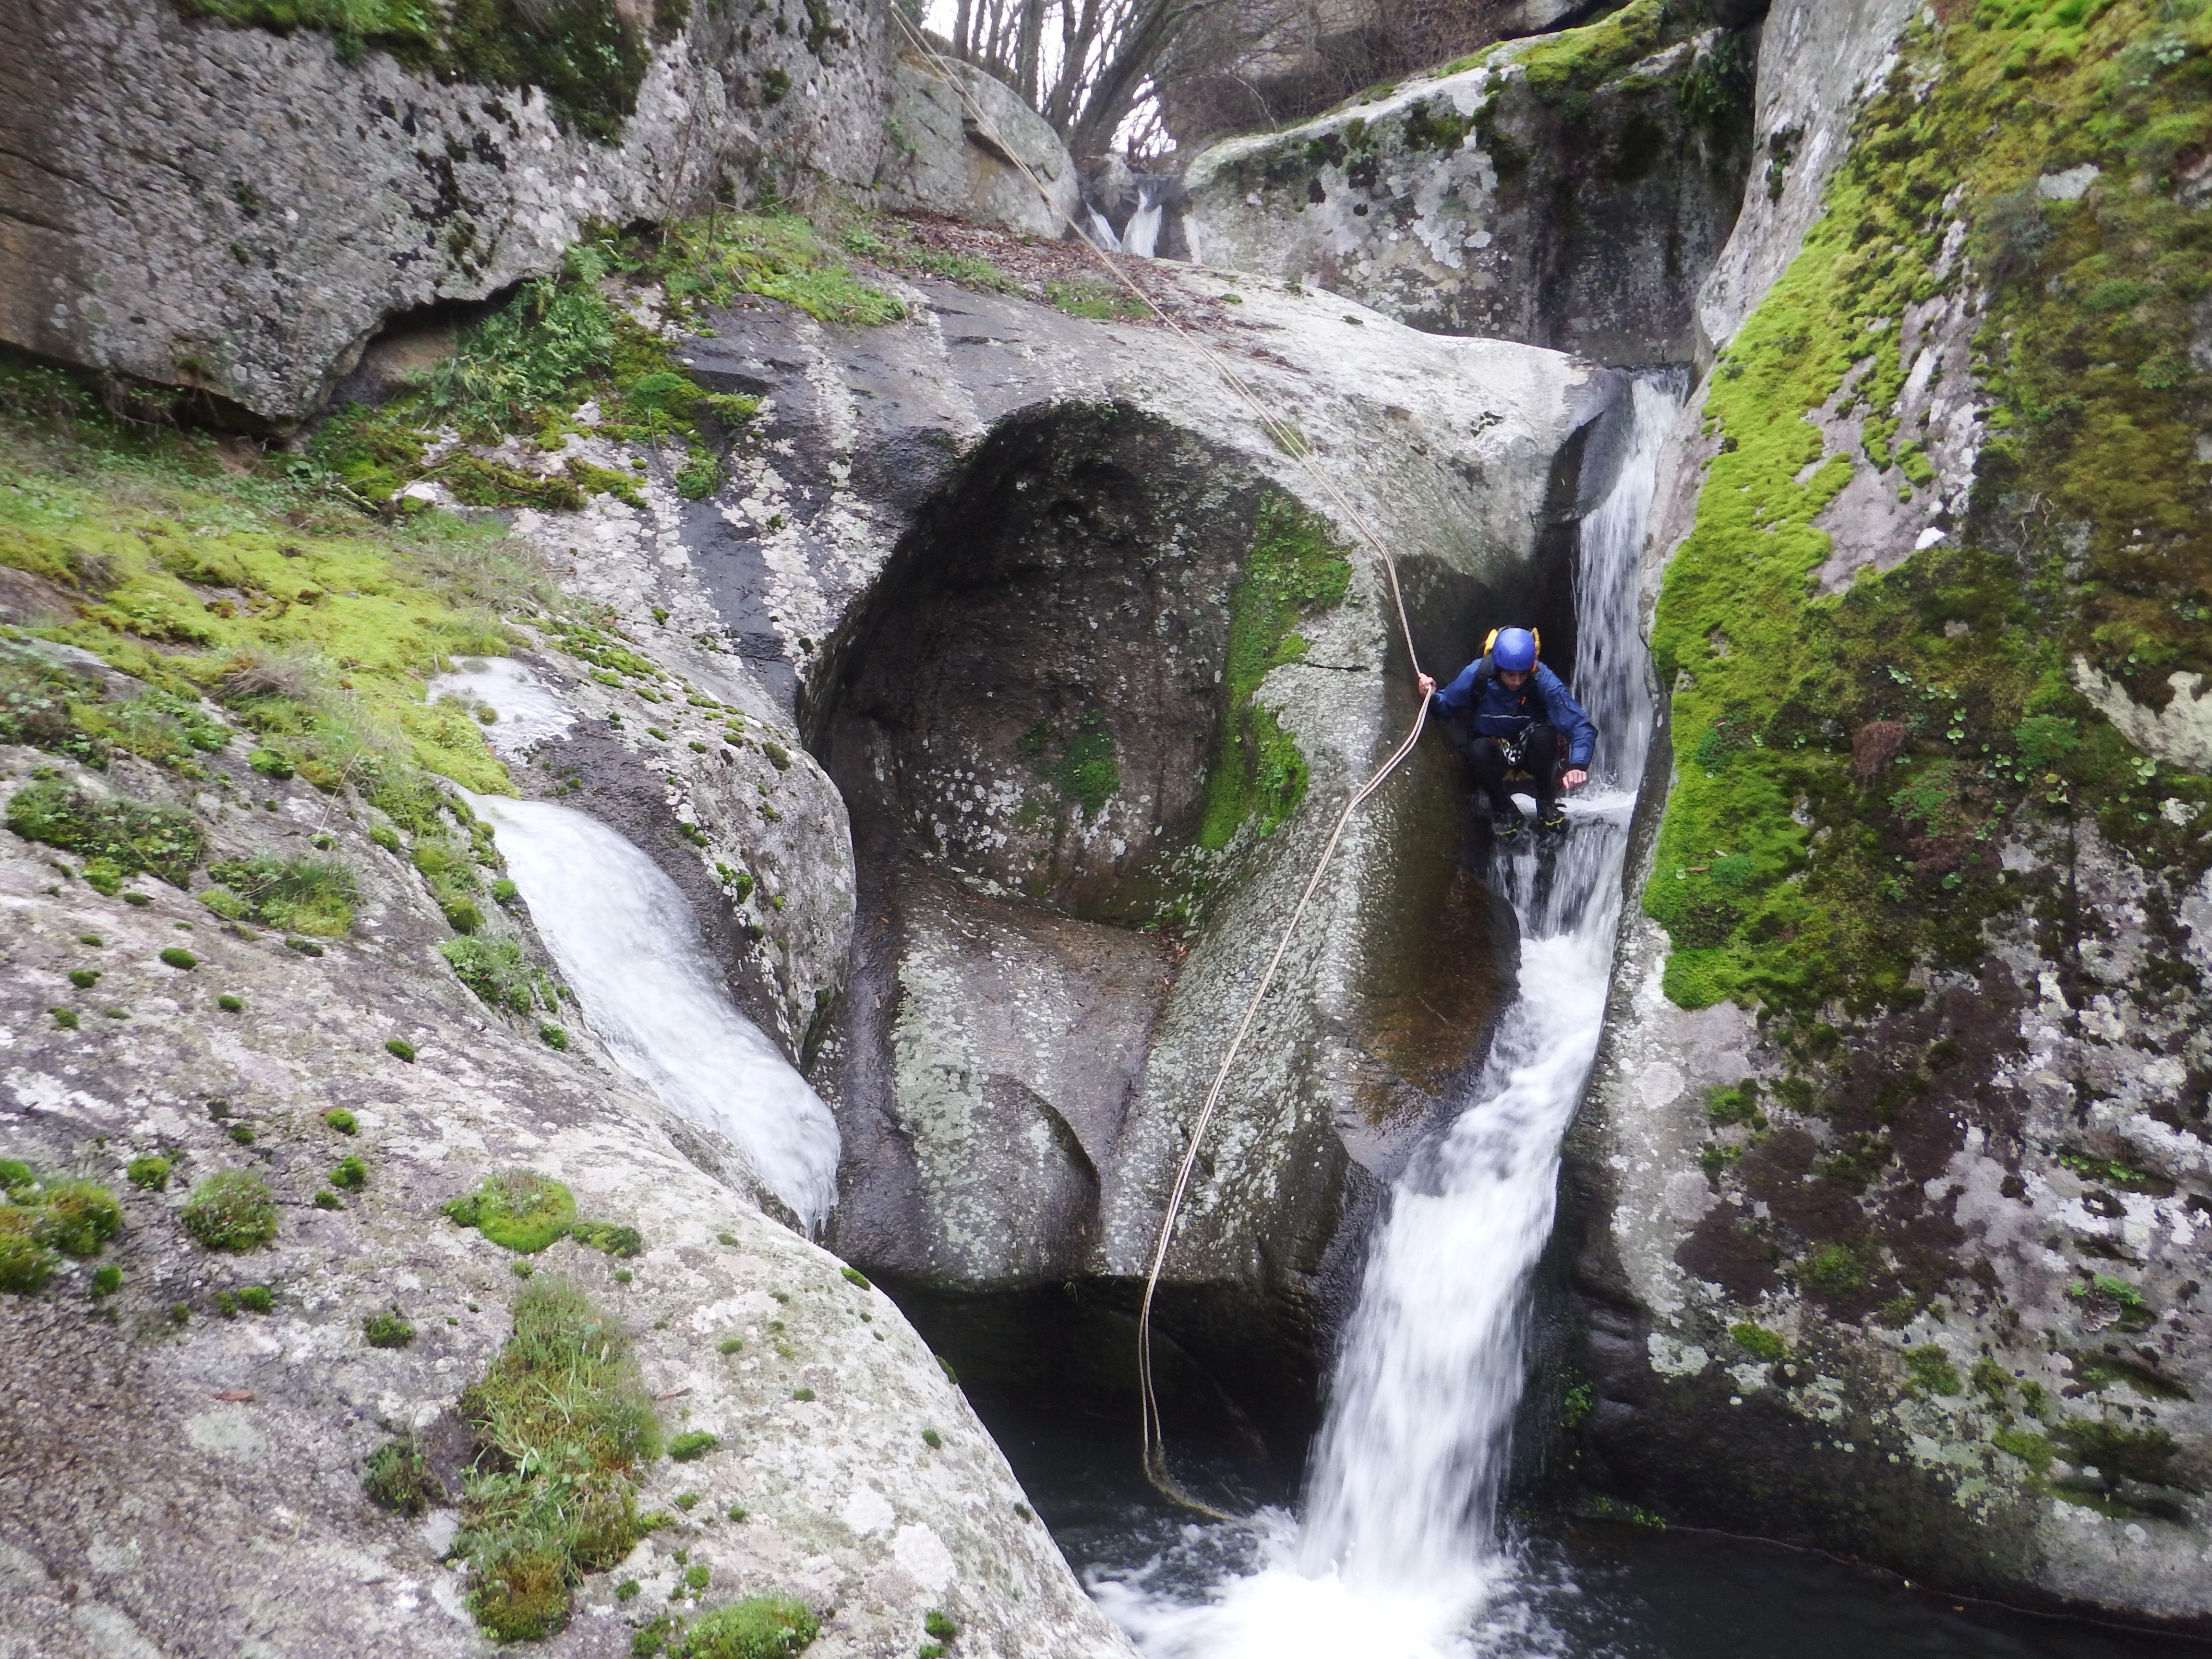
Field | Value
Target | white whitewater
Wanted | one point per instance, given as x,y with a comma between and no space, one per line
1398,1556
628,945
1142,234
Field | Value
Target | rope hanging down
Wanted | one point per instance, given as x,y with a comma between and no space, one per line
1286,438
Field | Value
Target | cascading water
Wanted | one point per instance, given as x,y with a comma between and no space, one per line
1142,234
1398,1556
628,945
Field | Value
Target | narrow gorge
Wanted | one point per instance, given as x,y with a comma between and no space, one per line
666,673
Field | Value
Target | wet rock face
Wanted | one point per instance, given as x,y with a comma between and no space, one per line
238,209
1036,703
185,1465
1577,208
1930,1264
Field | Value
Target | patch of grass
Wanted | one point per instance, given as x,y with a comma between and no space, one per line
564,1424
1295,570
518,1210
758,1627
1099,301
231,1210
311,896
127,836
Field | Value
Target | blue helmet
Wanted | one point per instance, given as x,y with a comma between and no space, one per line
1514,651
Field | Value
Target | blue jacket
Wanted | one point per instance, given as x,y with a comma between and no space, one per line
1501,713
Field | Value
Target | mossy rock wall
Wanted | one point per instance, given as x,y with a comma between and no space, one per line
272,185
1908,1074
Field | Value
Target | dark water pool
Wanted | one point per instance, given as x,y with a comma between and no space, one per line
1586,1589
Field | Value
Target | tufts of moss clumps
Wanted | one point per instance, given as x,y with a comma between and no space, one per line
518,1210
117,837
758,1627
1848,765
564,1426
311,896
231,1210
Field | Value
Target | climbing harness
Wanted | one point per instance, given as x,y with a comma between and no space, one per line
1286,438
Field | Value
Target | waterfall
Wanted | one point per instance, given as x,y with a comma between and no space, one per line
1101,232
1142,234
1398,1556
628,945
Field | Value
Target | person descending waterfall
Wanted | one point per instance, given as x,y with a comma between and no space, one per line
1523,721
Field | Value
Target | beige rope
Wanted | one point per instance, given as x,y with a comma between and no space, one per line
1288,439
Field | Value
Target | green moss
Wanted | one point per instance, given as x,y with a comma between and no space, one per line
934,1441
387,1330
25,1263
2145,1455
1836,1270
2030,1447
939,1625
327,1200
615,1240
350,1174
74,1217
1576,60
130,835
696,1445
854,1276
496,971
399,1478
150,1173
1099,301
178,958
564,1423
1086,776
758,1627
552,1036
231,1210
400,1049
1295,570
341,1120
518,1210
312,896
583,54
1928,1369
1759,1342
1962,652
229,1003
256,1299
107,1279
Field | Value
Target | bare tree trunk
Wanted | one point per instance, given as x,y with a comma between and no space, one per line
960,30
1032,47
1153,27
